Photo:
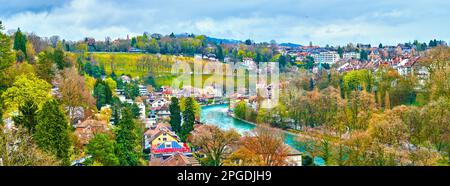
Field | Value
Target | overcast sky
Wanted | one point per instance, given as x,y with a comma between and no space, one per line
299,21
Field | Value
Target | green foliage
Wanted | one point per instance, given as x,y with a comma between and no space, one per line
101,148
58,57
134,108
20,42
102,94
196,106
26,88
25,151
52,131
127,140
188,118
175,115
27,115
131,90
6,55
358,80
364,55
44,66
340,51
240,109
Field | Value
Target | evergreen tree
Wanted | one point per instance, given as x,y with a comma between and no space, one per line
127,140
133,42
58,57
20,42
102,93
52,131
175,115
188,118
340,51
101,147
282,60
364,55
27,115
219,53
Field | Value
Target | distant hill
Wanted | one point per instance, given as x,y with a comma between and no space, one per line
290,45
233,41
223,41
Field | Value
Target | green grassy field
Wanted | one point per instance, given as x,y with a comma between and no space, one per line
140,66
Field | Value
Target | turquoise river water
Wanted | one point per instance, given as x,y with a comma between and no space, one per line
217,115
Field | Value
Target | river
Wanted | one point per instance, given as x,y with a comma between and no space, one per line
217,115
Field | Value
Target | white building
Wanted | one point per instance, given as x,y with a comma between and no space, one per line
329,57
351,55
159,103
143,90
141,110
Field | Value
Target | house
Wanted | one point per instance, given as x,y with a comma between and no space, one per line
170,147
163,111
125,79
351,55
158,134
141,110
143,90
294,157
157,104
177,159
86,130
135,50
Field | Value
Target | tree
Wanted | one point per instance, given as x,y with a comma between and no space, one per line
45,68
127,140
27,115
131,90
340,51
101,147
52,131
58,57
175,115
102,93
26,88
240,109
219,52
112,84
214,143
188,118
74,92
25,151
31,53
437,128
20,41
268,143
6,55
364,56
196,106
248,42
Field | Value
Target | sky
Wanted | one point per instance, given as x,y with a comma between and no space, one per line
297,21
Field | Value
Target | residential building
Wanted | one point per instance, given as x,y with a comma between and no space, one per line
329,57
86,130
177,159
351,55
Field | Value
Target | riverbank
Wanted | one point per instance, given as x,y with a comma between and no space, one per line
285,131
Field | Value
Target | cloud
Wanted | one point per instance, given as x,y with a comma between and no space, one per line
322,22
